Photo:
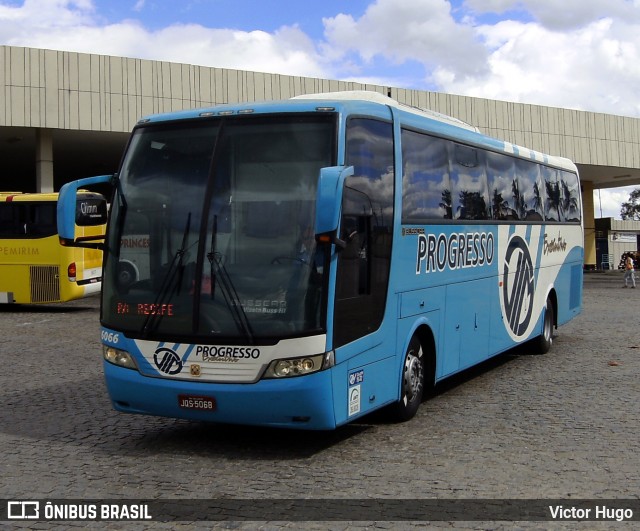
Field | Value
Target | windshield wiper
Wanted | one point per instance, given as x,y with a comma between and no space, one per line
164,293
219,273
211,257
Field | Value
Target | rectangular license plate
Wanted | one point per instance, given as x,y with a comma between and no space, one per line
202,403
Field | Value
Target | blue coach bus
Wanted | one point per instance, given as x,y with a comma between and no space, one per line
302,263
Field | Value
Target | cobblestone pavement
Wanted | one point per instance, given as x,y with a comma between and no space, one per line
563,425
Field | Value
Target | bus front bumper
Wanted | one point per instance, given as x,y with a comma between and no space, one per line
303,402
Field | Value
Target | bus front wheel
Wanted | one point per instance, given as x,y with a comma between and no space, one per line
412,382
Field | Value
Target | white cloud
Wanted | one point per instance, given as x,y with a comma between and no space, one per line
72,25
582,54
403,30
568,14
596,67
490,6
42,16
608,201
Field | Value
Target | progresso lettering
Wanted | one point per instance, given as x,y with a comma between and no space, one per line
454,251
215,353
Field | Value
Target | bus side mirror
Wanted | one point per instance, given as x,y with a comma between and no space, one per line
329,201
66,211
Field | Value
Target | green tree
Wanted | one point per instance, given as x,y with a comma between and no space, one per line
631,208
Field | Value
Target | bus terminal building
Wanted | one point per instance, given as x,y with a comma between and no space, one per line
66,115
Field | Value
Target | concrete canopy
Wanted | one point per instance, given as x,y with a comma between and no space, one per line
65,115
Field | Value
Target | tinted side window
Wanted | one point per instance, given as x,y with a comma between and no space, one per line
531,190
28,220
501,174
426,191
9,220
570,196
469,192
552,189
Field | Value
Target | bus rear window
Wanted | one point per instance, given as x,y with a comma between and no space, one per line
91,211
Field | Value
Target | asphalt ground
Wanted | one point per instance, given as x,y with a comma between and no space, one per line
562,426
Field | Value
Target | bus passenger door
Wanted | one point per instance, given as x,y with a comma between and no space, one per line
357,313
366,227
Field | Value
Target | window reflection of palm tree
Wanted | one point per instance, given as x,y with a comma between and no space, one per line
500,206
537,199
472,205
518,200
553,199
446,204
569,200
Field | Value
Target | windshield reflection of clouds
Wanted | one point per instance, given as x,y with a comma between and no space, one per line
254,271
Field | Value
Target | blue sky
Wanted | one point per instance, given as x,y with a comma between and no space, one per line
581,54
247,15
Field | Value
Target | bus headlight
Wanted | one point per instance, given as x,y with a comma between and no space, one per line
286,368
118,357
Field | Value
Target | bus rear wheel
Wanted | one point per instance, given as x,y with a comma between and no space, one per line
412,383
545,340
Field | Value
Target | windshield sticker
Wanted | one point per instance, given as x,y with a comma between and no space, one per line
263,306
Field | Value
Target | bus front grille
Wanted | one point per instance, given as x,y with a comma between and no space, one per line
45,283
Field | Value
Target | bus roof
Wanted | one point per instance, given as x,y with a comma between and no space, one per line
9,197
376,97
23,196
368,102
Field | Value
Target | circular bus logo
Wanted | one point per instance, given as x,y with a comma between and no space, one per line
167,360
518,285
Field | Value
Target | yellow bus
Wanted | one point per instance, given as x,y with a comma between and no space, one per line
34,266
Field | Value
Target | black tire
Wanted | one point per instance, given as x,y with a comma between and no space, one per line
412,382
545,340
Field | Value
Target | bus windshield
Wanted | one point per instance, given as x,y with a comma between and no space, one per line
212,230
